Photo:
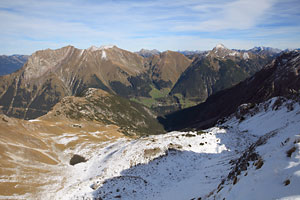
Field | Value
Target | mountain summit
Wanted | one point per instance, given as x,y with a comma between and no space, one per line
148,53
220,46
103,47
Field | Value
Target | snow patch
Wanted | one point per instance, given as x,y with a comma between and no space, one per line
66,138
220,46
106,47
103,47
34,120
97,133
234,53
246,56
81,52
104,57
93,48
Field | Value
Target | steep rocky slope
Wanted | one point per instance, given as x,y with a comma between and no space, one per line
167,68
9,64
279,78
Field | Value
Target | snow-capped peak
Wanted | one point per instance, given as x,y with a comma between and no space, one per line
220,46
246,56
94,48
104,55
106,46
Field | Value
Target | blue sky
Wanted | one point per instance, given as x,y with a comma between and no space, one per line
27,26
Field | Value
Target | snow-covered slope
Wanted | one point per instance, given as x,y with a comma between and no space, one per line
278,150
203,164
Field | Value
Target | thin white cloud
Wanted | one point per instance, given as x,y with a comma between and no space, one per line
240,15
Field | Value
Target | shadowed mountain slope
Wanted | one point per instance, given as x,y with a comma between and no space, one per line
279,78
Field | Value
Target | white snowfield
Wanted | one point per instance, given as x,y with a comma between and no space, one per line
103,47
104,55
191,165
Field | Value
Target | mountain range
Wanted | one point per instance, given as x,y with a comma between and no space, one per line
164,82
96,124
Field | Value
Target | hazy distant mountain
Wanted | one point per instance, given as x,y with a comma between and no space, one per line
148,53
9,64
187,52
193,54
265,51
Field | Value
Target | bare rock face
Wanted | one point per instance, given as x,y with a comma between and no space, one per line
45,61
